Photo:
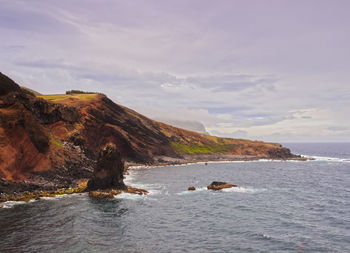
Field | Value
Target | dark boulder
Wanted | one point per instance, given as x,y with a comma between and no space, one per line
280,153
48,113
77,139
108,173
220,185
191,188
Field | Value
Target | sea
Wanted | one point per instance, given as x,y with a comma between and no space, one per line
278,206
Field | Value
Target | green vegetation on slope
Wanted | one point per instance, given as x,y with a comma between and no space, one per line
194,148
57,143
60,97
68,92
28,92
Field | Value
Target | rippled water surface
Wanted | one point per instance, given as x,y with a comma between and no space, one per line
279,207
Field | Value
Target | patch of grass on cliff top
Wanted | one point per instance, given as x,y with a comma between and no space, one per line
194,148
61,97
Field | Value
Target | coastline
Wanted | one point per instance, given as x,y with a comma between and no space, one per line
29,196
162,161
223,158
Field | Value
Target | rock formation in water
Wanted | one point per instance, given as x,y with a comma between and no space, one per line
220,185
108,173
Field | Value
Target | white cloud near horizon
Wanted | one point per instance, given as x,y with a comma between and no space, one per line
272,70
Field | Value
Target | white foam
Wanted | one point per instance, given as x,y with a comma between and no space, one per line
154,192
328,159
254,161
61,196
191,192
125,195
138,167
309,159
233,189
153,189
243,190
11,204
55,197
265,236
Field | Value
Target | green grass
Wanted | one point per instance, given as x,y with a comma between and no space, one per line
54,97
60,97
55,142
194,148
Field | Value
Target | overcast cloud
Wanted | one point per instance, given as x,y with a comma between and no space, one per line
271,70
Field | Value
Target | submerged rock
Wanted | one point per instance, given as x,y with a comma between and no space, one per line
191,188
104,194
136,191
109,194
108,173
220,185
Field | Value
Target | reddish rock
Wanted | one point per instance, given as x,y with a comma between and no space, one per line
220,185
191,188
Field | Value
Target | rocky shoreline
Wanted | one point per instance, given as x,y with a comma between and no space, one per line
50,144
25,191
169,161
106,181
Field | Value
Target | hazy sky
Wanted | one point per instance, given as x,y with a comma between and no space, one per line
271,70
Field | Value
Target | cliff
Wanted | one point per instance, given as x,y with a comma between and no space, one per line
53,141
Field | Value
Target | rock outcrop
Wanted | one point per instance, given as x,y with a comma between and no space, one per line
220,185
108,173
280,152
7,85
111,193
191,188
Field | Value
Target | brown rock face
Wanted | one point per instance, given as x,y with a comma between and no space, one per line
7,85
108,173
191,188
280,152
220,185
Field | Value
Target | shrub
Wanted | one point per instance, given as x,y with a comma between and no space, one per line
68,92
28,92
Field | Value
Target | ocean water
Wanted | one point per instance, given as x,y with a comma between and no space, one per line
288,206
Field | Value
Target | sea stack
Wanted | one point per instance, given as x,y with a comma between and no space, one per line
108,173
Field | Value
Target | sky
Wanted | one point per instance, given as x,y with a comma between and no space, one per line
270,70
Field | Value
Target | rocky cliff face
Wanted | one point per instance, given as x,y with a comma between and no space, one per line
53,141
7,85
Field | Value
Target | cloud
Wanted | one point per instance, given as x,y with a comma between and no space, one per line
239,134
229,83
339,128
16,15
256,72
